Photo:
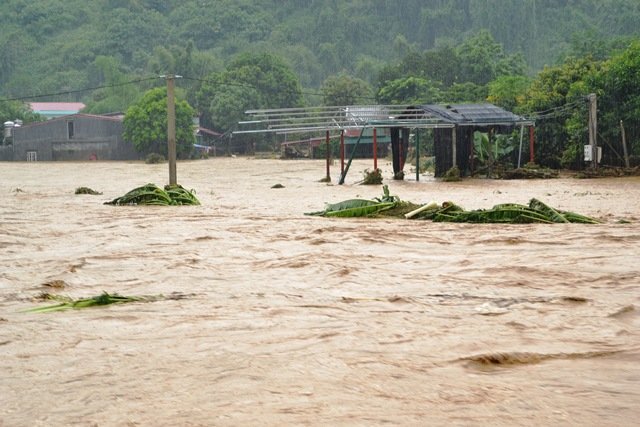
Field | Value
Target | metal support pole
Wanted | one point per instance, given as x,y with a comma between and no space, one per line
375,149
171,130
520,149
353,153
418,154
341,151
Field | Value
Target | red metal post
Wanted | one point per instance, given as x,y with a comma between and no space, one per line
531,144
375,149
328,157
342,152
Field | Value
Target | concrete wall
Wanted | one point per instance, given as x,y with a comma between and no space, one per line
75,137
6,153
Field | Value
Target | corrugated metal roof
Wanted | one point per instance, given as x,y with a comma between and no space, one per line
71,116
473,114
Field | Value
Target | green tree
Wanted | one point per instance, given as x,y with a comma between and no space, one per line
508,91
16,110
145,124
556,99
116,95
267,80
343,89
466,92
617,84
410,90
482,59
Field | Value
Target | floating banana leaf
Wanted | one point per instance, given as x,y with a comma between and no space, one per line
505,213
551,213
359,211
359,207
581,219
509,215
151,194
68,304
181,196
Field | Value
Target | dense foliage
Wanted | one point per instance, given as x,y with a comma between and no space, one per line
532,56
145,124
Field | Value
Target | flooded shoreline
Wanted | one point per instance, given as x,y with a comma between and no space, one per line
290,319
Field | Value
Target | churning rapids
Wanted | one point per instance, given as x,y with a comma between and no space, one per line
276,318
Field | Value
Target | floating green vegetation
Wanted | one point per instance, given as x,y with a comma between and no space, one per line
359,207
151,194
87,190
154,158
66,303
452,175
373,177
507,213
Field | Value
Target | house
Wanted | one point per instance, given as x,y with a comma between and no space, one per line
73,137
455,146
52,110
208,142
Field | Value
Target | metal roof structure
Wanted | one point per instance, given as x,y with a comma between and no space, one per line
313,119
475,115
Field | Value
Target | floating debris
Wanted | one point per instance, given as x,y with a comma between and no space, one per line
277,186
359,207
452,175
372,177
510,213
151,194
530,173
87,190
56,283
154,158
67,303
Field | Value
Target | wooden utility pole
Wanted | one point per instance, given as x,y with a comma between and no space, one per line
593,129
171,129
624,145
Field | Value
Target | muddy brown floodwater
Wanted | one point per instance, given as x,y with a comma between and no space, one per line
276,318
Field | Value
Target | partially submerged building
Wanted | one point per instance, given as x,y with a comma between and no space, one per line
73,137
455,146
453,129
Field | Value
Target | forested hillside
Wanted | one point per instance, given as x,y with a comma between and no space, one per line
48,46
539,58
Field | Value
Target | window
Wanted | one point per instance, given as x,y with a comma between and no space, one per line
32,156
70,130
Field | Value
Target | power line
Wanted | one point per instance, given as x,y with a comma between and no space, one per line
68,92
250,86
559,111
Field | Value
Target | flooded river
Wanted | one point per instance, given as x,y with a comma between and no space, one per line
276,318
